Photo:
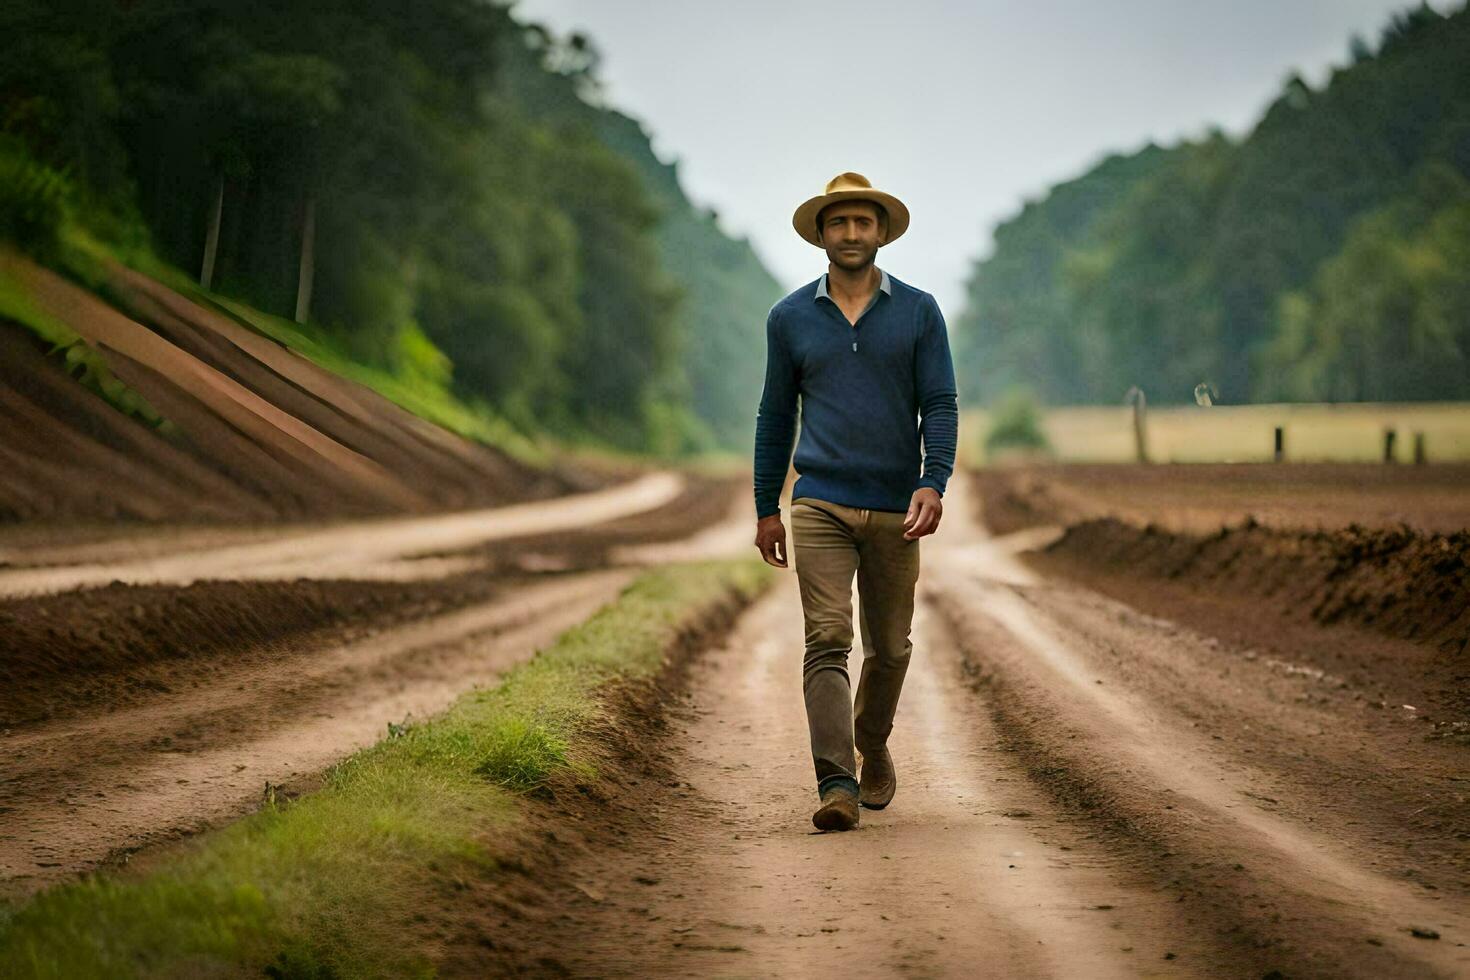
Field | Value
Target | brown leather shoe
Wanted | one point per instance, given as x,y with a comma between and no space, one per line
839,811
878,781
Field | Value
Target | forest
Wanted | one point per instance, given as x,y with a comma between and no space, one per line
435,189
1323,256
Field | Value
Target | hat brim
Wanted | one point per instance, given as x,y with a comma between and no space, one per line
804,220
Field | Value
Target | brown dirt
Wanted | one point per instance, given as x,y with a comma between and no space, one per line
1401,584
1084,790
396,549
258,431
66,453
93,789
1387,607
137,714
1326,665
1202,779
116,646
695,854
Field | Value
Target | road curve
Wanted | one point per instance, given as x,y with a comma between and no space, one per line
379,548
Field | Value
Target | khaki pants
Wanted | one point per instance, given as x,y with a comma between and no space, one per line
831,542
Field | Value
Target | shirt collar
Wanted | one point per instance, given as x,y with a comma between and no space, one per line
883,284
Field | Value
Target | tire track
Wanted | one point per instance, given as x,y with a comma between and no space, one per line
1064,810
82,792
1095,732
970,872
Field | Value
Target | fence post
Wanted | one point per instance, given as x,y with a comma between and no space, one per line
1420,456
1280,453
1389,437
1136,398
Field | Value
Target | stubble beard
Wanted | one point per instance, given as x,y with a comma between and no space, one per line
853,261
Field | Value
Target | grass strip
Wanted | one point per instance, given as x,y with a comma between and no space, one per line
84,258
472,419
328,884
81,360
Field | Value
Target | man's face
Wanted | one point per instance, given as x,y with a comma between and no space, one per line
851,233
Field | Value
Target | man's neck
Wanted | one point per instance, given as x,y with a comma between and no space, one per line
852,284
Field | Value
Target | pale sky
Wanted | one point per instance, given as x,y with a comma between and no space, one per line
961,109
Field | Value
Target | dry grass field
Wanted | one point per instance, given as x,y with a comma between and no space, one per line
1245,433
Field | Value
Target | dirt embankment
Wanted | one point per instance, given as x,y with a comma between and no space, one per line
1385,604
137,714
514,920
256,432
1400,583
120,644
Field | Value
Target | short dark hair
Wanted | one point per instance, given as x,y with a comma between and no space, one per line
882,211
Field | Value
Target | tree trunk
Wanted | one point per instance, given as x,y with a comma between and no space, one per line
211,238
308,262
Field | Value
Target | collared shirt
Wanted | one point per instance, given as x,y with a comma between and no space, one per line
876,398
883,286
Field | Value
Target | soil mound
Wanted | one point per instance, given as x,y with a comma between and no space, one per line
120,643
108,647
1402,583
256,431
1301,563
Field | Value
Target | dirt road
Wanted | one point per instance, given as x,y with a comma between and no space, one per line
380,549
1084,791
78,793
147,712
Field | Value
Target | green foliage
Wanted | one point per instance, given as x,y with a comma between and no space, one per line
418,361
1390,313
1021,324
1283,265
1015,423
725,295
81,361
329,884
33,200
466,192
522,754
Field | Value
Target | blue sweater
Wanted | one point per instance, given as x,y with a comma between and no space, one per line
868,394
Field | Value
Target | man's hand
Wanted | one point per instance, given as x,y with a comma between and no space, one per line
925,509
770,538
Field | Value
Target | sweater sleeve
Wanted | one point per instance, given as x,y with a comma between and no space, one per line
775,421
939,416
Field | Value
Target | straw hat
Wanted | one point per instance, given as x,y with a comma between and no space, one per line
849,187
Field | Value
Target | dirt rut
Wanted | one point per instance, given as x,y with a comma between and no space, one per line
166,738
79,793
386,549
1064,809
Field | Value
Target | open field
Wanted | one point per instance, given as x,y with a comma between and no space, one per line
1245,433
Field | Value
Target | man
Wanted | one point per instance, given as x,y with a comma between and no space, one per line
868,357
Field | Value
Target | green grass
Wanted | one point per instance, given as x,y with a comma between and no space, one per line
81,361
1340,433
83,258
473,420
328,885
